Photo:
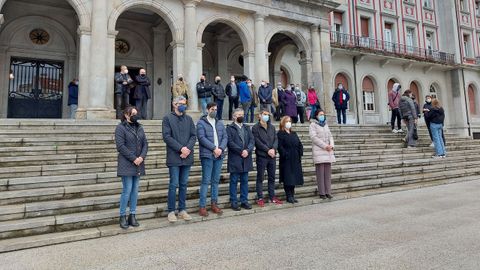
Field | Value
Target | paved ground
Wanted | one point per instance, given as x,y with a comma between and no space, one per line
431,228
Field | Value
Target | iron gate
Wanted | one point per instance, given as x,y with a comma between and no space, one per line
35,89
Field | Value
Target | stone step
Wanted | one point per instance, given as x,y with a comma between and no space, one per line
80,220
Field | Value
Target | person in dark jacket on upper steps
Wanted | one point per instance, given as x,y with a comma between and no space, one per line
240,149
426,108
219,95
73,97
204,92
179,134
266,145
212,139
340,99
232,92
436,117
132,147
408,113
142,93
290,149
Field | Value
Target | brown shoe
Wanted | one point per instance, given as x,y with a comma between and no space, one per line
216,209
203,212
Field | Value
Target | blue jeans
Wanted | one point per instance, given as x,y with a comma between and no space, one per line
313,110
211,169
129,194
219,108
251,112
437,138
178,179
243,187
203,103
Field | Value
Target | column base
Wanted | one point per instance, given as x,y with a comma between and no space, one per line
95,114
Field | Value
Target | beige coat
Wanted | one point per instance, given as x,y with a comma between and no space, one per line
181,89
275,97
321,137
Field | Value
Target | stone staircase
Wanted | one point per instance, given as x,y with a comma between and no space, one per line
58,179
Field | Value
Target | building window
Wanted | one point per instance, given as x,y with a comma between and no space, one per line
466,46
463,5
433,91
337,22
410,39
471,100
477,8
368,90
365,32
388,37
430,42
427,4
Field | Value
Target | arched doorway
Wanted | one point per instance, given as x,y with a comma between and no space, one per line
416,91
40,58
472,99
390,84
143,41
368,93
344,80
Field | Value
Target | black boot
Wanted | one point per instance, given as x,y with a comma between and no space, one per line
133,221
123,222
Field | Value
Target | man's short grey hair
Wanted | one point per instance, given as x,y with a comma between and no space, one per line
238,110
178,99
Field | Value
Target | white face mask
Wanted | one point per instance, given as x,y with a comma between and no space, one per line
249,84
288,125
340,87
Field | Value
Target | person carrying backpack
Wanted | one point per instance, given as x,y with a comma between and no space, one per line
408,113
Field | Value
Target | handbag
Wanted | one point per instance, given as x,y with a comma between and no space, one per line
415,132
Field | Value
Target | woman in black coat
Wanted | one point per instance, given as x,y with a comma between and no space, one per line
132,147
290,149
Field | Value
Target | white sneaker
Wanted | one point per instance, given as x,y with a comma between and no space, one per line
394,131
400,130
432,145
184,215
171,217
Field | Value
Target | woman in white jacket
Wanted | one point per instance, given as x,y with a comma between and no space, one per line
323,157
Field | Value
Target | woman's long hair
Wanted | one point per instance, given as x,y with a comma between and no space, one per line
127,111
436,104
284,121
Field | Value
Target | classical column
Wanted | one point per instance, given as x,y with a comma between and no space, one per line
178,49
317,79
306,70
83,72
222,60
4,80
161,93
98,106
326,54
249,64
191,65
1,20
260,49
151,75
111,37
200,62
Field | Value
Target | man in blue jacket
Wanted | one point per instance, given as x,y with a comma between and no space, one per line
245,96
265,94
212,139
240,148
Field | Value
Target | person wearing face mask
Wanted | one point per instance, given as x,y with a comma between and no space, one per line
232,92
323,155
245,96
340,98
427,107
301,99
254,103
179,135
436,117
219,95
240,148
265,96
266,145
408,112
142,93
73,97
313,103
279,106
290,149
204,92
394,97
212,139
123,83
181,88
132,147
290,103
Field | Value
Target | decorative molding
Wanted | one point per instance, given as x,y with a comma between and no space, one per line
407,66
385,62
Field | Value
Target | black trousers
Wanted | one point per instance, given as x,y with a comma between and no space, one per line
342,113
396,115
301,113
289,191
121,101
270,165
232,104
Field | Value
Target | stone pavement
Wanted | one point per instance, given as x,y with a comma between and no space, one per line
429,228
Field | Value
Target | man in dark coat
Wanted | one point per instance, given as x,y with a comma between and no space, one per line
240,161
266,152
204,93
340,98
142,93
290,149
219,95
179,134
233,95
132,147
123,83
73,97
212,140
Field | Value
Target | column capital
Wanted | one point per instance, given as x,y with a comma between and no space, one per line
2,20
260,16
82,30
191,3
324,26
305,61
112,33
174,44
200,45
248,54
314,27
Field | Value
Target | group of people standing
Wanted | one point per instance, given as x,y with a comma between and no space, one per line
405,109
180,135
127,88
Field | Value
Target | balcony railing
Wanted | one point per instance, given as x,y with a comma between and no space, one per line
389,48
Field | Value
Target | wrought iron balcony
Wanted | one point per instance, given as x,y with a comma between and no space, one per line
367,44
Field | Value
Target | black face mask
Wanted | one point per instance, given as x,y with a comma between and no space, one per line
180,79
143,75
240,119
134,119
202,80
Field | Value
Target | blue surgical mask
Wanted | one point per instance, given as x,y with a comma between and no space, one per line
265,118
182,108
321,118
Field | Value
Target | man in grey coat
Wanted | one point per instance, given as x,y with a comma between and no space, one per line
408,113
179,134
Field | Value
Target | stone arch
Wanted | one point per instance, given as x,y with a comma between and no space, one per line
158,7
369,84
232,59
235,23
472,95
278,63
418,91
288,75
291,32
390,82
437,88
12,28
138,39
83,12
